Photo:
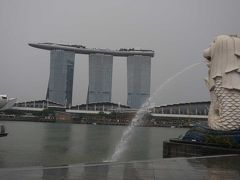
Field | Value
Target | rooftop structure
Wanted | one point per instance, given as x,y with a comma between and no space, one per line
79,49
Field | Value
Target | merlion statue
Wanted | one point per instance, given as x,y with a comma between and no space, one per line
223,59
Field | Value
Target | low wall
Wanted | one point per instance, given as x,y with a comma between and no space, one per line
122,119
178,148
27,119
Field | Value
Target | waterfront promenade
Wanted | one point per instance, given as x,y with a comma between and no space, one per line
212,167
119,119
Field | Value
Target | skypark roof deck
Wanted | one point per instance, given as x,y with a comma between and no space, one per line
79,49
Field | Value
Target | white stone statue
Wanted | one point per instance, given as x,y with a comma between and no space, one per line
223,82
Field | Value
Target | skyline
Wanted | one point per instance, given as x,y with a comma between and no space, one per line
62,58
178,32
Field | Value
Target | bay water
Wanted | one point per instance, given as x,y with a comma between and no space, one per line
56,144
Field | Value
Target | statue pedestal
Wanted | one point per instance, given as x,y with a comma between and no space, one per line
202,141
202,134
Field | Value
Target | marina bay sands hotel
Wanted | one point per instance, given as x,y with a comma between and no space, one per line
62,57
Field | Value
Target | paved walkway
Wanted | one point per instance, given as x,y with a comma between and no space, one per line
214,167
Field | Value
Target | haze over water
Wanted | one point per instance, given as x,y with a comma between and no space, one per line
54,144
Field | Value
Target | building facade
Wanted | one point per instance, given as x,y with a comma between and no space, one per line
138,80
100,78
192,108
60,84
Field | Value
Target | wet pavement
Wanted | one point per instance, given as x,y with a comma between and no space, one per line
214,167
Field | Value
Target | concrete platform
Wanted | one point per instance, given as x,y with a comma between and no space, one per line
214,167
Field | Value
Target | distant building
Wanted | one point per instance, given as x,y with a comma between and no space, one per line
60,84
104,106
100,78
37,104
6,103
138,80
192,108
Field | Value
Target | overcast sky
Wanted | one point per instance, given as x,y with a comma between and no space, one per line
177,30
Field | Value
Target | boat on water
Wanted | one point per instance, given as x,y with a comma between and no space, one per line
6,103
3,131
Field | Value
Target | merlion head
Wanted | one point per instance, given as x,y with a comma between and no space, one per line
223,55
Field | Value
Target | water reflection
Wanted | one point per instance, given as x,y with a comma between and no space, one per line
55,173
2,159
98,142
56,144
138,146
99,148
226,167
23,145
222,167
99,172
